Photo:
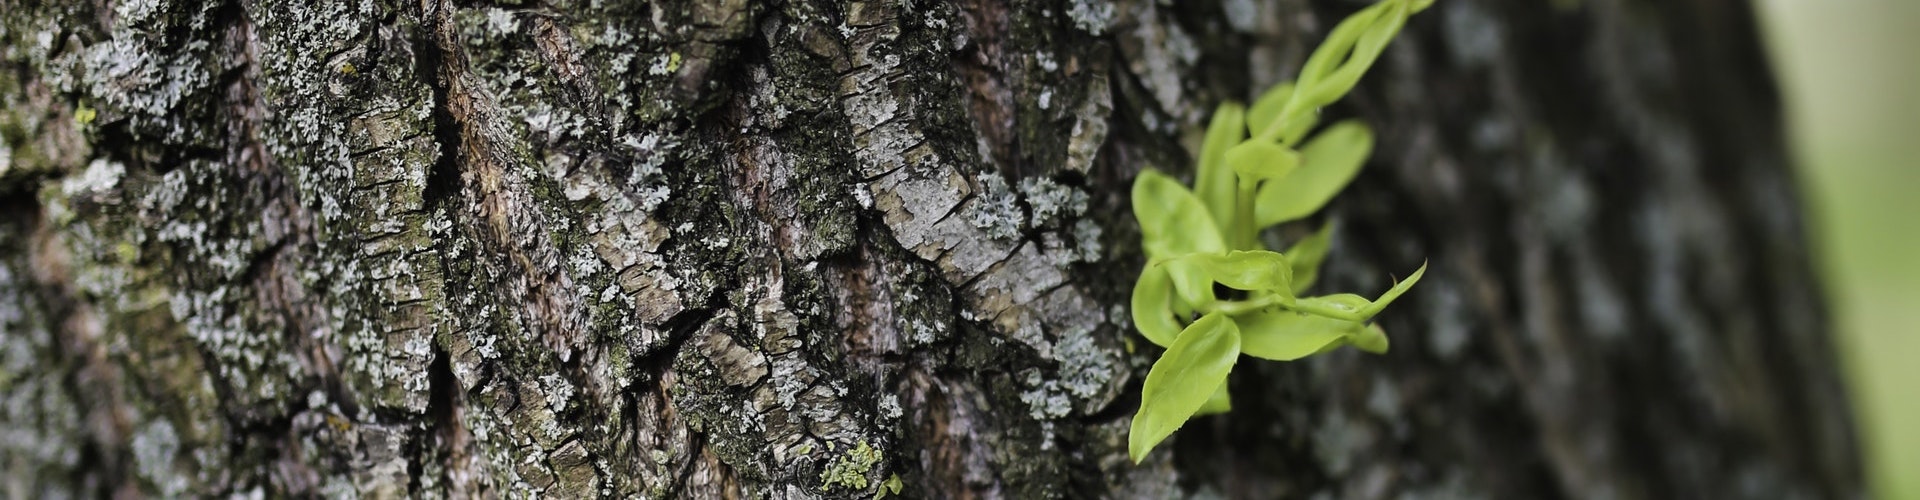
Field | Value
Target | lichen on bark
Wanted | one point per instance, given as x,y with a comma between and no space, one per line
696,249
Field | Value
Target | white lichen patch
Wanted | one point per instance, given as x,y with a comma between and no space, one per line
996,210
651,152
1086,238
101,175
1241,14
1051,201
1084,373
155,447
1093,16
1044,398
558,390
890,406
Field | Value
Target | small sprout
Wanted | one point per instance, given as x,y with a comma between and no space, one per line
673,62
1254,173
84,115
892,486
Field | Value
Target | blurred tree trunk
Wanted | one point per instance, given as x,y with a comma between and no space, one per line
737,248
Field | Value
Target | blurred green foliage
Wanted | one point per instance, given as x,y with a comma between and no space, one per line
1851,73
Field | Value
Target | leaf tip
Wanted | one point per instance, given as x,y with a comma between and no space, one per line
1137,447
1371,339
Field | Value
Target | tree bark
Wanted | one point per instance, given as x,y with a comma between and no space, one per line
793,249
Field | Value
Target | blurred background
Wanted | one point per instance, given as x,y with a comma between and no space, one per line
1850,70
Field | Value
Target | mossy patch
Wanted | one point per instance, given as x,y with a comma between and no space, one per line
851,470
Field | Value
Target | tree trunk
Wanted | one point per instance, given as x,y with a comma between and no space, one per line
794,249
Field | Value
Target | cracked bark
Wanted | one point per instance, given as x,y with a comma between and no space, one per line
726,248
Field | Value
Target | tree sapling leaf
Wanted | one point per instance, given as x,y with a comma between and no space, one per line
1182,381
1371,339
1328,163
1250,270
1172,221
1191,279
1220,402
1283,335
1394,293
1256,161
1214,184
1151,307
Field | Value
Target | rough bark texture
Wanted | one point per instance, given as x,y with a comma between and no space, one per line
791,249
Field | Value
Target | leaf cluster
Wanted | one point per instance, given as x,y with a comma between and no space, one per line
1258,168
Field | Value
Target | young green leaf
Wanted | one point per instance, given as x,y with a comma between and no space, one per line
1151,314
1240,186
1214,183
1371,339
1328,162
1373,40
1283,335
1250,270
1191,279
1172,221
891,486
1182,381
1266,110
1394,293
1255,161
1342,306
1266,113
1219,403
1307,254
1181,309
1339,45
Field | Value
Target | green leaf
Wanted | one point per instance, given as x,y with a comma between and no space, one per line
1191,279
1182,381
1214,184
1172,221
1371,339
1373,40
1152,295
1328,163
891,486
1352,307
1181,309
1250,270
1256,161
1283,335
1343,306
1338,45
1266,111
1394,293
1307,255
1219,403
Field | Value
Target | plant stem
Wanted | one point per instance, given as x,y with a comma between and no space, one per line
1234,307
1245,233
1268,299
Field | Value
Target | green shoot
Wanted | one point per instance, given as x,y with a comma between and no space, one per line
1251,175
